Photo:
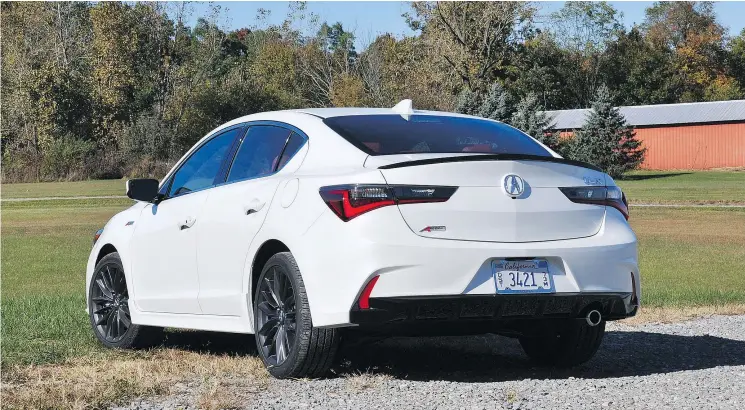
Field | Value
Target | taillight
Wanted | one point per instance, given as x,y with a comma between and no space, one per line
350,201
608,196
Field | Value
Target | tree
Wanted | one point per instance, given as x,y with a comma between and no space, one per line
583,30
478,40
606,140
494,104
690,31
530,118
393,70
737,59
639,72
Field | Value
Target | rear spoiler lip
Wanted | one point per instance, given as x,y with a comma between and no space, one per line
490,157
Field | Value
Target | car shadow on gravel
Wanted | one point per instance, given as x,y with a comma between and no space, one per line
210,342
493,358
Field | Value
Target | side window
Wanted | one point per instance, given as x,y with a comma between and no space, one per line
293,146
201,168
259,152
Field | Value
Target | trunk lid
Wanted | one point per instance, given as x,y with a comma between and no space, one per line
482,210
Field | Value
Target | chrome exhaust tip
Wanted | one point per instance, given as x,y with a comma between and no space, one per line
593,318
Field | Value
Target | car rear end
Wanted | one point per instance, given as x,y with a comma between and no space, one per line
470,226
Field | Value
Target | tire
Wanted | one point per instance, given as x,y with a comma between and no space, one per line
286,321
570,345
108,309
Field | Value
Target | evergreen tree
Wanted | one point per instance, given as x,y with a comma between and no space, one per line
530,118
606,140
467,102
494,104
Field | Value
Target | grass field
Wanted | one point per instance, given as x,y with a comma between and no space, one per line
685,187
105,187
688,256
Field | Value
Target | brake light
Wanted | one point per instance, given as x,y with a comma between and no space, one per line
351,201
608,196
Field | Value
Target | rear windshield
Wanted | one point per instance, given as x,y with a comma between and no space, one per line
393,134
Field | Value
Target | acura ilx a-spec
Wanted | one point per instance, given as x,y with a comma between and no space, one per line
309,227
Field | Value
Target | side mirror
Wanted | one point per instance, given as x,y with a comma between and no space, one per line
142,189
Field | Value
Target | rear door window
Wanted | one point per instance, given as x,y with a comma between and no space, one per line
259,153
390,134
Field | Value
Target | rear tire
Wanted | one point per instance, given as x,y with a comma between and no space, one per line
108,309
309,351
570,345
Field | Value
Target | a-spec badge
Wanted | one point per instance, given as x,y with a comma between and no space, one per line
439,228
129,223
593,181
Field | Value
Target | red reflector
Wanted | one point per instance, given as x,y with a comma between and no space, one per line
365,296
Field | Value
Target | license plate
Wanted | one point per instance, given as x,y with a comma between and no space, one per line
525,276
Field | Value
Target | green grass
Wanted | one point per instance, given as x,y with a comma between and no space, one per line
688,257
691,257
106,187
685,187
44,253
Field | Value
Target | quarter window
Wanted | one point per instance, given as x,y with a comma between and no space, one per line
293,146
259,153
200,169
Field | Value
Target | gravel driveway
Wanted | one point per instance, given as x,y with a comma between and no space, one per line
690,365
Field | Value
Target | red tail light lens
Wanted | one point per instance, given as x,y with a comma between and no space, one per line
351,201
608,196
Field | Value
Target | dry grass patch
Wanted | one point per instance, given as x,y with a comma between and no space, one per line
83,383
361,381
670,315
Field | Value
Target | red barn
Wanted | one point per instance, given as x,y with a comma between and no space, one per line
679,136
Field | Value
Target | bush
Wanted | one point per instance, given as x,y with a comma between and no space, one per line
149,167
66,158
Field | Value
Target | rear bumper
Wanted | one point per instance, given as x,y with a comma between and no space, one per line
411,267
438,310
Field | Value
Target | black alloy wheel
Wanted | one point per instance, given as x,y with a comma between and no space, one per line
277,320
110,303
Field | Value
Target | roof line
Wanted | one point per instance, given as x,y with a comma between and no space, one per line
654,105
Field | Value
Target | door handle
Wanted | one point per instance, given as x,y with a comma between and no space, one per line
186,223
253,207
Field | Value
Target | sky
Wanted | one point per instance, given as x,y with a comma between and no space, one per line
368,19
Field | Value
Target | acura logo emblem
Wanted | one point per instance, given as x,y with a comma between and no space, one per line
513,185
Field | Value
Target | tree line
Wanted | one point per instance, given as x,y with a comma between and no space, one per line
97,90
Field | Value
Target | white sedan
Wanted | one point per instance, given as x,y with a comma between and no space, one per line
306,227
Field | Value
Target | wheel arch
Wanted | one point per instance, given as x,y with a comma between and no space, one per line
267,249
105,250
